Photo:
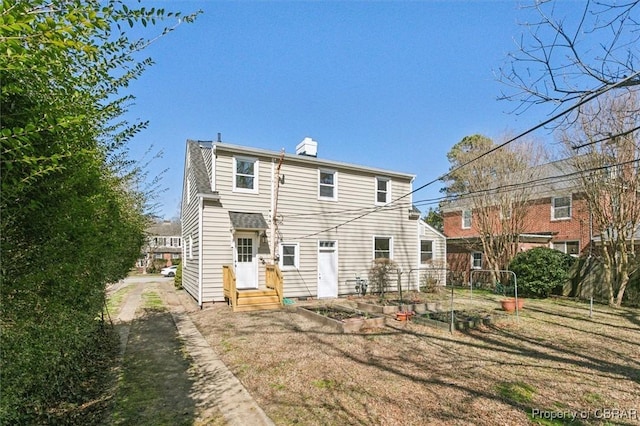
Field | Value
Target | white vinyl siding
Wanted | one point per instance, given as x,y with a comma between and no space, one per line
300,215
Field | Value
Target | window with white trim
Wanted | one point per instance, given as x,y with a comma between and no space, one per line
568,247
245,174
382,248
289,256
383,190
327,185
561,208
466,219
476,260
426,251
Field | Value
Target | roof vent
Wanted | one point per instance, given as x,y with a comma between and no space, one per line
307,147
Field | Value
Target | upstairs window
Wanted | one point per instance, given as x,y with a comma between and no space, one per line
466,219
327,185
561,208
382,248
426,251
383,190
245,175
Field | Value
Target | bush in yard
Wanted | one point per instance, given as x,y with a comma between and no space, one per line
540,270
380,274
177,280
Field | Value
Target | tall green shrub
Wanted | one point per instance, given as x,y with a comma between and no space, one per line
540,270
177,280
70,221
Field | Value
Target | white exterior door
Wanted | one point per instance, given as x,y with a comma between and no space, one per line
327,269
245,261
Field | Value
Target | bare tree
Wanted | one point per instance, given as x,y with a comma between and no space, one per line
495,189
566,58
606,154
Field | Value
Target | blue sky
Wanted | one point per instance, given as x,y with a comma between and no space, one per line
390,84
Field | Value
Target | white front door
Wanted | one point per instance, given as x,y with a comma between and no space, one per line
327,269
245,261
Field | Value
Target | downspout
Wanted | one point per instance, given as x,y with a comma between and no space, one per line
200,254
272,207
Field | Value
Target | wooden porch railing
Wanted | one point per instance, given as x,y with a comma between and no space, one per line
274,281
229,285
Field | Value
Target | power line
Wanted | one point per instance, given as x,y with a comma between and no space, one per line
599,92
577,147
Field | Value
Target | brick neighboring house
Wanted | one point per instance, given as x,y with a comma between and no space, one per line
557,217
164,246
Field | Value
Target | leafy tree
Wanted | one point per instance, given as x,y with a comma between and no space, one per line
540,270
70,221
434,218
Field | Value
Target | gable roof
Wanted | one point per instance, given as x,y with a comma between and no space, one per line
166,229
198,150
556,178
258,152
247,221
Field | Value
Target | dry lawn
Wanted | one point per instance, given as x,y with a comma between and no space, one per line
554,359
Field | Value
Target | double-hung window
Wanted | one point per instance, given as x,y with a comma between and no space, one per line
245,174
289,256
466,219
327,185
426,251
383,190
561,207
476,260
382,248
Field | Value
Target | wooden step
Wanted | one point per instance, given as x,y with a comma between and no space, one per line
257,300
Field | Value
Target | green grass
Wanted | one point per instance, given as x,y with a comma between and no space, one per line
324,384
519,392
114,302
151,300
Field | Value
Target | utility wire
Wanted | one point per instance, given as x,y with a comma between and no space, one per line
599,92
577,147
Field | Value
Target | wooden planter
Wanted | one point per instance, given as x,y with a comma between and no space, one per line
349,325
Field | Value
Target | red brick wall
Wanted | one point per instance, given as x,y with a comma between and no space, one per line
537,221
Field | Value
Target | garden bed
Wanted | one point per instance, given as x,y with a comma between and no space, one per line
462,320
342,318
393,306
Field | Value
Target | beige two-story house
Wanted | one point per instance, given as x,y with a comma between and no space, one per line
321,222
